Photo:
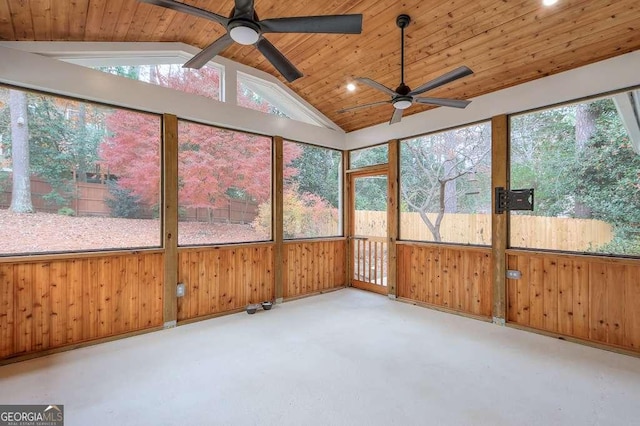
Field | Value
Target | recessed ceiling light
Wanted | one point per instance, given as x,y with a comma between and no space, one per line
351,87
549,2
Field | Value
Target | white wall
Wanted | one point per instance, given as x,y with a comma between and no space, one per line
21,68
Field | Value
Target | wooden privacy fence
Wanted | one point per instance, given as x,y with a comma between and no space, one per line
526,231
89,199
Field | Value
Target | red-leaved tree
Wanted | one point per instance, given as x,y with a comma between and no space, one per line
213,164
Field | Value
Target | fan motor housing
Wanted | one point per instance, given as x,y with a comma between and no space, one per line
402,21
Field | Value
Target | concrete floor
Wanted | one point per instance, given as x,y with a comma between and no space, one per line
344,358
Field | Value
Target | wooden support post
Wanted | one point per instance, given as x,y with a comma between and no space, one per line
170,217
346,218
277,216
499,222
392,214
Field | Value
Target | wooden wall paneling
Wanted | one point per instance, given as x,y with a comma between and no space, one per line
89,292
550,294
60,303
598,302
485,283
455,269
57,302
631,303
523,295
278,215
565,296
7,311
146,291
581,313
24,308
536,292
196,283
512,291
470,284
41,306
313,266
215,277
585,297
615,287
446,276
499,222
104,297
184,277
130,317
169,190
118,285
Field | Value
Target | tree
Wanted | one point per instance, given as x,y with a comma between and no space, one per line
21,190
432,168
214,164
318,170
607,174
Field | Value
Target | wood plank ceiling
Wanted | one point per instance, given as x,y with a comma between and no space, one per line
506,42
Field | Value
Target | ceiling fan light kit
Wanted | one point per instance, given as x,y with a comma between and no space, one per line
403,97
245,28
244,32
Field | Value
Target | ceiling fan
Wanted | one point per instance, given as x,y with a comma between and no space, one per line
403,97
244,27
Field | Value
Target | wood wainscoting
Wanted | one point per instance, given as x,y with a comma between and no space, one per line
586,297
313,266
225,278
52,303
452,277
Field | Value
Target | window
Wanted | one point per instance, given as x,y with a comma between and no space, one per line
369,156
312,187
224,185
445,185
260,95
585,169
76,176
205,81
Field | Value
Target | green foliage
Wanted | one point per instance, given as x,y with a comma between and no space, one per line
67,211
597,171
369,156
371,193
318,173
305,216
63,139
122,202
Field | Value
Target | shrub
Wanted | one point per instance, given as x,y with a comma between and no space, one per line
66,211
122,203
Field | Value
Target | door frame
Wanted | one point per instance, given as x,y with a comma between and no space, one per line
377,170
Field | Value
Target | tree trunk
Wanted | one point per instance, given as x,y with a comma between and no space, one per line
21,190
585,129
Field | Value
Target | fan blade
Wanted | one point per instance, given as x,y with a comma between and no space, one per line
209,52
455,103
376,85
331,24
442,80
244,8
397,116
278,60
191,10
353,108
